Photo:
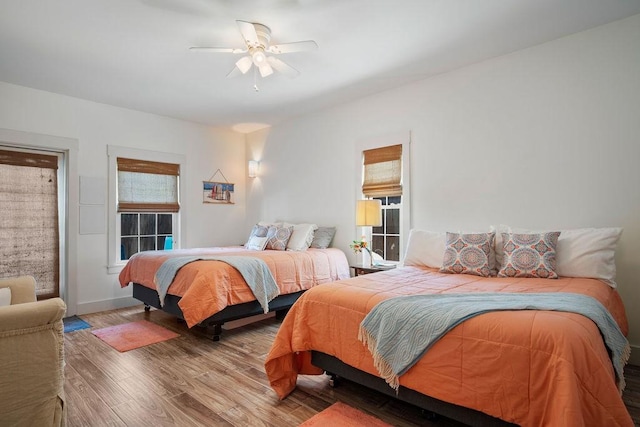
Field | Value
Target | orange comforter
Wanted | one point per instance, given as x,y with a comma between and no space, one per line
531,368
207,287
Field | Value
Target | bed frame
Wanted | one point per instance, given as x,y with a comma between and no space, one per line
337,369
213,324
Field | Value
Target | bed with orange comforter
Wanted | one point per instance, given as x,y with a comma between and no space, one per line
208,291
526,367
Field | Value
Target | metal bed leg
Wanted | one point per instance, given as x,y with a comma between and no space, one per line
217,331
334,380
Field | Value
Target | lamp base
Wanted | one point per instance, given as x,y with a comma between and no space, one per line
366,259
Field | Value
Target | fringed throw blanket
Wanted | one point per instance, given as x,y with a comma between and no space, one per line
399,331
254,271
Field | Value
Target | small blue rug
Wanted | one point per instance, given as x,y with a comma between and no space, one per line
74,323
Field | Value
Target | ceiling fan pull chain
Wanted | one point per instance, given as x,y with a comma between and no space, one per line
255,79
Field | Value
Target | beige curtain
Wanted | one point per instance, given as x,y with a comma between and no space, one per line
29,219
383,171
145,186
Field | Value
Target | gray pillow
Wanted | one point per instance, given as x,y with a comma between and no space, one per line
322,237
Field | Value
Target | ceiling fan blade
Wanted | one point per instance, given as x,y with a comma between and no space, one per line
293,47
265,70
235,72
244,64
248,32
217,49
282,67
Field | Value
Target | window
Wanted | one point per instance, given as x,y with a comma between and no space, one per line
145,232
144,202
29,225
385,240
147,201
382,180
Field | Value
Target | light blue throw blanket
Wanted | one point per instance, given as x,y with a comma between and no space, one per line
254,271
400,330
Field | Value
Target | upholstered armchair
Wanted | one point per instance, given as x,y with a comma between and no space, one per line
31,357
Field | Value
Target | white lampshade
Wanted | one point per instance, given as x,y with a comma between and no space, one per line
368,213
254,167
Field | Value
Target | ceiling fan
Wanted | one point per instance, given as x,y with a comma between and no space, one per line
256,38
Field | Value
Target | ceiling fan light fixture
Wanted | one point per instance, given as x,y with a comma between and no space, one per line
265,70
258,57
244,64
257,39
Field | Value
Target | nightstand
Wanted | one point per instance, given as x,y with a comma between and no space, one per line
359,269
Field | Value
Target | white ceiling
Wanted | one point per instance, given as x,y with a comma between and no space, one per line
134,53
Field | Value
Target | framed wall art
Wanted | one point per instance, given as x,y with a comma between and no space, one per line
217,192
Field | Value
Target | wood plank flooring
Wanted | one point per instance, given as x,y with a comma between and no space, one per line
193,381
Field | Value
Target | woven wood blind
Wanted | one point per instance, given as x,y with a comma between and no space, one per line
145,186
29,219
383,171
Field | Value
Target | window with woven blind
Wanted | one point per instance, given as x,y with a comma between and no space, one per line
382,180
145,186
382,171
29,226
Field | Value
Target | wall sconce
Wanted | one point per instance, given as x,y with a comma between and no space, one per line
254,167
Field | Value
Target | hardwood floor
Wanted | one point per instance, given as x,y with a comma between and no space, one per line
193,381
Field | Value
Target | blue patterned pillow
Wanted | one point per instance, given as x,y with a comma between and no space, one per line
529,255
257,231
468,254
278,237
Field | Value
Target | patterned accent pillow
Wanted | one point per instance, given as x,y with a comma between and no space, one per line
468,254
278,237
529,255
257,231
256,243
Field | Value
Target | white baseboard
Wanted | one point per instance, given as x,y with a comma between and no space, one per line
635,355
105,305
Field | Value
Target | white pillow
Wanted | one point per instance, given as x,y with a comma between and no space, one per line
270,223
256,243
587,252
301,237
425,248
5,297
498,243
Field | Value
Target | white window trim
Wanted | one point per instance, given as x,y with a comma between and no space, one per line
114,264
403,138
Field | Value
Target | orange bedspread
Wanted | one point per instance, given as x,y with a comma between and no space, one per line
207,287
531,368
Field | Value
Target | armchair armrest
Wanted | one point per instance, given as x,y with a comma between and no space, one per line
32,361
23,288
31,314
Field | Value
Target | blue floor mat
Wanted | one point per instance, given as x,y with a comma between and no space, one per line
74,323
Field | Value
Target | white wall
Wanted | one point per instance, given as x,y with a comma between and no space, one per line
95,126
547,137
